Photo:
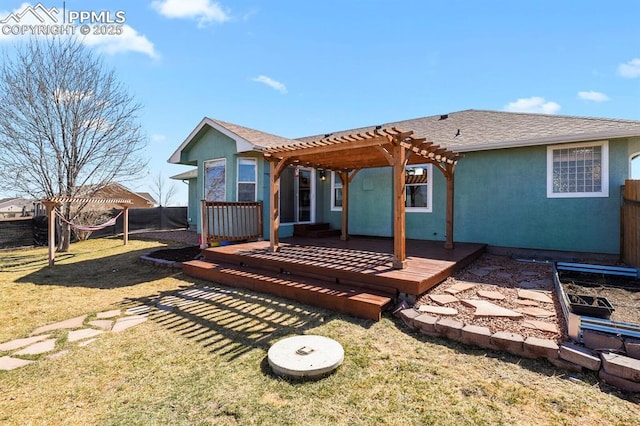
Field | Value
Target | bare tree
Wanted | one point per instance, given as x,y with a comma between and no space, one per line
163,194
66,124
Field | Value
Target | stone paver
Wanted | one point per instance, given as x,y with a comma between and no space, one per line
439,310
460,287
580,356
537,312
443,299
21,343
38,348
10,363
527,302
488,309
87,342
108,314
534,295
76,322
128,322
85,333
492,295
540,325
101,324
504,275
621,366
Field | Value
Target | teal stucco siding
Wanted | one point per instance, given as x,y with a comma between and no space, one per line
501,199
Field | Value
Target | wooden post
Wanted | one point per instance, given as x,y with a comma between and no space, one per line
204,225
344,178
274,207
449,175
125,225
399,223
51,226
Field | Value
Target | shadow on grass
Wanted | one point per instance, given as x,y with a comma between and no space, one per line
228,321
108,272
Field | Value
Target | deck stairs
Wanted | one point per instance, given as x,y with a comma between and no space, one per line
305,284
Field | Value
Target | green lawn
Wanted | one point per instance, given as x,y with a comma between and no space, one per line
205,363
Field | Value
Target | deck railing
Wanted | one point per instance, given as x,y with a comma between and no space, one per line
231,221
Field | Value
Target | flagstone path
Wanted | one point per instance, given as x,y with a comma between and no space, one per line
20,352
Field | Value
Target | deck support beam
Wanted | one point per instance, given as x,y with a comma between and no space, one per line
345,177
399,210
277,167
449,175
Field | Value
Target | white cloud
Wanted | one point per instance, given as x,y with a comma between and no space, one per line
128,41
534,104
631,69
204,11
593,96
271,83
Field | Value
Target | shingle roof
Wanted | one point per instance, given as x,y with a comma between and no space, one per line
471,130
256,137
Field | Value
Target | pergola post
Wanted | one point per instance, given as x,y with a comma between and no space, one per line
51,226
277,166
204,225
344,179
449,175
125,225
399,210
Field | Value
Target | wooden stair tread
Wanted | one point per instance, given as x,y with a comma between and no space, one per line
345,299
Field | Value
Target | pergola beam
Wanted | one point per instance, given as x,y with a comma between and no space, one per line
346,154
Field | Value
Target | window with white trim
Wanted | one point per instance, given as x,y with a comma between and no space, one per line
215,180
418,188
578,170
247,179
336,192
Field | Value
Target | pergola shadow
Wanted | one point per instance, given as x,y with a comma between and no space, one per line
231,322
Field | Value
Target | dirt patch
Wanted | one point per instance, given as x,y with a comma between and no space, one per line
183,254
622,292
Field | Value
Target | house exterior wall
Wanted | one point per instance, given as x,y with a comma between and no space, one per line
212,145
500,199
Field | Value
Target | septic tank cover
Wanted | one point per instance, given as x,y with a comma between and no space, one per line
305,356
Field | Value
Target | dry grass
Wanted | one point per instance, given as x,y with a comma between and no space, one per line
204,363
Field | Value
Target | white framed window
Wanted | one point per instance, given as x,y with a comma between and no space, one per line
247,179
336,192
578,170
418,188
215,180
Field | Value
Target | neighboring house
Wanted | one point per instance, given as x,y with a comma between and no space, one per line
530,181
16,207
117,191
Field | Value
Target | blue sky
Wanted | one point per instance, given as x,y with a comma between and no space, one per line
297,68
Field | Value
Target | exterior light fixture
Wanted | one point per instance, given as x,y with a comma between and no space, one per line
323,175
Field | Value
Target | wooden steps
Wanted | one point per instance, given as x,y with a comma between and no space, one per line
315,230
341,298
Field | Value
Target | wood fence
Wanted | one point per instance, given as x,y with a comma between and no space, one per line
231,221
631,223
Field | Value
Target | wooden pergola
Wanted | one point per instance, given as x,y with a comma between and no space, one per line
348,154
53,202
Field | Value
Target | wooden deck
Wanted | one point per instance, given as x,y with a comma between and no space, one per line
354,277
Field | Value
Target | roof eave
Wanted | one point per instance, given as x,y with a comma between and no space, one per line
585,137
241,143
